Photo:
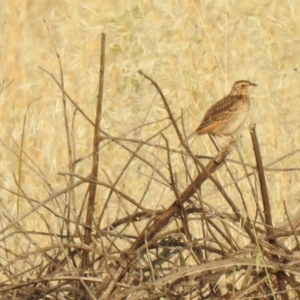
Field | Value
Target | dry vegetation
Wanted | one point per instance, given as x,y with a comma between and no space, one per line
140,218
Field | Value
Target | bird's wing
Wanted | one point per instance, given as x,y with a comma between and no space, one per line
221,112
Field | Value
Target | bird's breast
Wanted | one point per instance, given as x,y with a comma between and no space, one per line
235,119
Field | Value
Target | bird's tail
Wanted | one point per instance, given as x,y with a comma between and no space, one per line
188,138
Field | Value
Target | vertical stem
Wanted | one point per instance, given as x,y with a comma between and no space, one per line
262,180
94,175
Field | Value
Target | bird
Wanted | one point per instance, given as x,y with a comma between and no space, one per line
226,116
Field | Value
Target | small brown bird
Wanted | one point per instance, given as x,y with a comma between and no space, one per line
229,113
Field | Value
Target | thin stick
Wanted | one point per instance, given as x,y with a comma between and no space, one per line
95,165
166,106
262,180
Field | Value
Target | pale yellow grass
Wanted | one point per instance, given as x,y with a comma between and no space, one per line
195,50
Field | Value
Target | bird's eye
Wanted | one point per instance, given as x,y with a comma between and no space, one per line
243,85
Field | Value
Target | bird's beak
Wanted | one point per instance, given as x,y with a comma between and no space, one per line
251,87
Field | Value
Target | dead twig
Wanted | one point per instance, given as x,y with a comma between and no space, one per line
95,161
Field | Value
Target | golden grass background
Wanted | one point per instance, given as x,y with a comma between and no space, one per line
194,50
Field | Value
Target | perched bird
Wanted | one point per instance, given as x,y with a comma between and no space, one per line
229,113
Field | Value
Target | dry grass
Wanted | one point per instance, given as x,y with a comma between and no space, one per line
194,50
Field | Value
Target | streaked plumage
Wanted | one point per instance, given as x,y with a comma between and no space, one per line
229,113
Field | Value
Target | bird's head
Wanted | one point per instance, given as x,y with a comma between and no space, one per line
242,87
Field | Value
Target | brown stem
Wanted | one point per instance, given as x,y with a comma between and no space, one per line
262,180
95,165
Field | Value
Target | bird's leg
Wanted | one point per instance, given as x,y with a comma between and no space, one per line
221,141
216,142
